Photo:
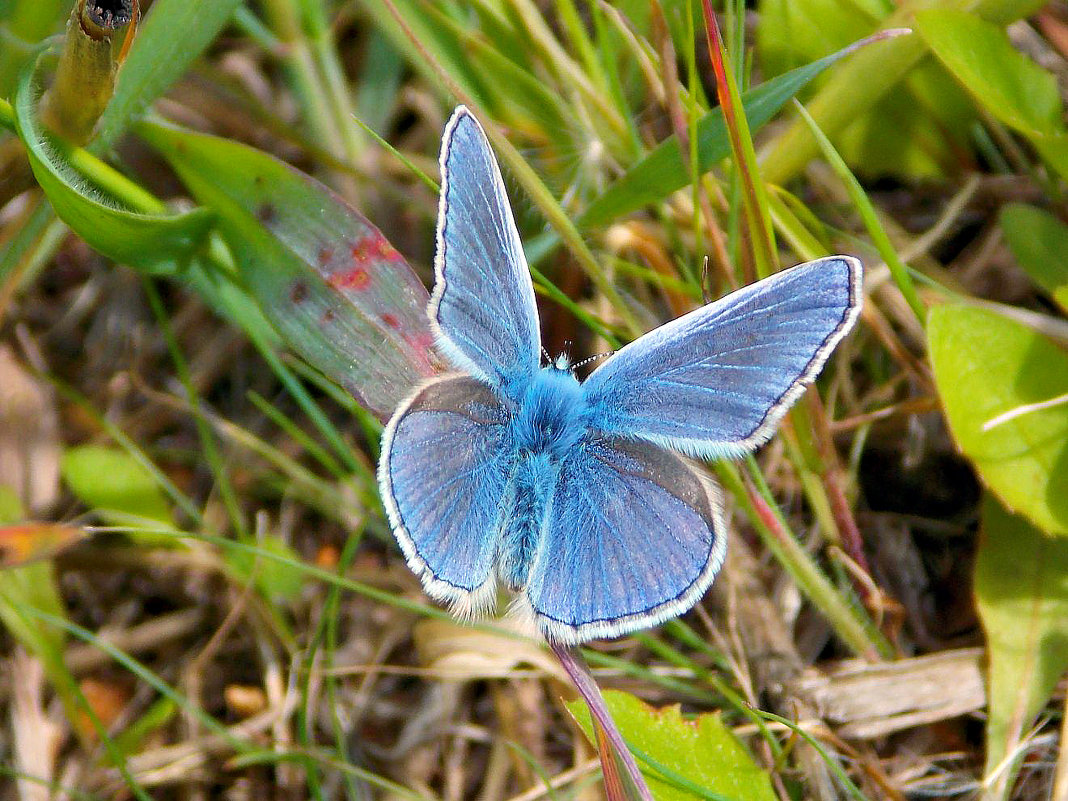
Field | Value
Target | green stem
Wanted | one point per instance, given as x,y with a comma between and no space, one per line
848,622
898,271
321,92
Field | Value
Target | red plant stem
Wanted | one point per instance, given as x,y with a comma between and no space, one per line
848,531
572,662
762,247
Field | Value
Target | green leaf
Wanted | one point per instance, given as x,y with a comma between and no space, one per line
116,486
274,579
337,291
11,509
682,759
172,36
33,587
1039,241
662,171
928,112
515,90
791,33
156,242
441,43
979,54
135,737
986,365
1021,590
861,83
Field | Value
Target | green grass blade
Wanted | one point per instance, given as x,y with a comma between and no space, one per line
898,271
664,170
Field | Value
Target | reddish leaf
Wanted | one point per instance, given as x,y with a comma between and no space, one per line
25,542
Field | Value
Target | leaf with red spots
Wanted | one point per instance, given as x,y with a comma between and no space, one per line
338,292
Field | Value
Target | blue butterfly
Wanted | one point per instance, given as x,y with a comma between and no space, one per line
573,494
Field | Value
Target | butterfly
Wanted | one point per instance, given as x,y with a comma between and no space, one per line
578,495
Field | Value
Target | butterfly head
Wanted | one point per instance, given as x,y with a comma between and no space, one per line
551,417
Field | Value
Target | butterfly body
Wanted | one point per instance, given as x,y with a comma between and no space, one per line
552,417
522,514
543,430
573,494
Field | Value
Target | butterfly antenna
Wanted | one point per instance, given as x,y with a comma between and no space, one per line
594,357
545,353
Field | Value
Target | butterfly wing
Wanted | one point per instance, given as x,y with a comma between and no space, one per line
715,382
483,302
442,473
633,537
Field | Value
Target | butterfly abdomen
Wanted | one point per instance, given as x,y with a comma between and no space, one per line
524,511
548,424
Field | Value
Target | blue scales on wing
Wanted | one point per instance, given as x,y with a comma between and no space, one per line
634,537
483,302
444,467
715,382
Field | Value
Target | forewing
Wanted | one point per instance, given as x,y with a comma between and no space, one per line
716,381
633,537
483,300
442,473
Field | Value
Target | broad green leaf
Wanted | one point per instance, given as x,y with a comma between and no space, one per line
986,365
979,54
116,486
158,242
337,291
1039,241
172,36
931,117
682,759
928,112
623,779
1021,590
791,33
273,578
662,171
34,19
862,82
